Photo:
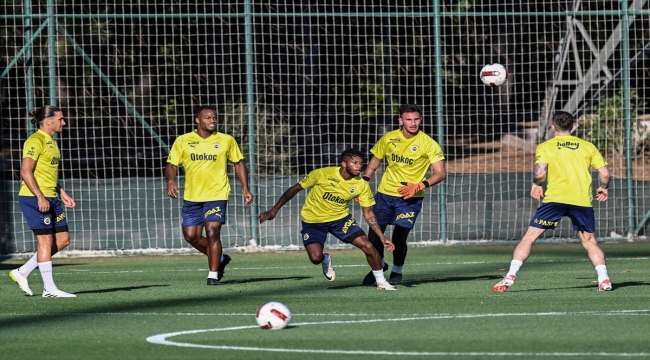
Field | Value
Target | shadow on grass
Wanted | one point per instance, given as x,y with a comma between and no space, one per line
593,286
54,265
410,283
128,288
265,279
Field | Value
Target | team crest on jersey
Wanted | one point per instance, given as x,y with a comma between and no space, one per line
352,190
305,237
216,146
414,148
47,220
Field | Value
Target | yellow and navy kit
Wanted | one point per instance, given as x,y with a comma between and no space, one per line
205,162
43,149
408,159
568,177
330,194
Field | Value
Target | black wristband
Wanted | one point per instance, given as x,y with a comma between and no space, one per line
366,178
426,184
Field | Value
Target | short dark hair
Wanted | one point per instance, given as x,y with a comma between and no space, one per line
409,108
198,110
563,120
350,153
38,115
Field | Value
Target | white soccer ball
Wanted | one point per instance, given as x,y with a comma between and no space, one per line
494,74
273,316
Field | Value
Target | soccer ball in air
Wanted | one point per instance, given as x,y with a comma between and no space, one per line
494,74
273,316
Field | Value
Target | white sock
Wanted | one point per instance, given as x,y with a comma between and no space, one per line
379,276
46,274
29,266
601,270
397,269
213,274
514,267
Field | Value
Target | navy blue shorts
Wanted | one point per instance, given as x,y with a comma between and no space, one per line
548,216
199,213
345,229
42,223
394,210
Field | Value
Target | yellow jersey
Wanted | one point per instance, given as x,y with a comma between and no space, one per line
205,161
330,194
42,148
408,159
568,177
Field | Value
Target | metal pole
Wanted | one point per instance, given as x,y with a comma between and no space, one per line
627,114
442,195
250,101
29,63
51,47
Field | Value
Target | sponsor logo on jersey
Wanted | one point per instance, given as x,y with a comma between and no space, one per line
546,222
333,198
60,217
55,161
569,145
347,225
405,215
401,159
193,144
30,152
216,211
203,157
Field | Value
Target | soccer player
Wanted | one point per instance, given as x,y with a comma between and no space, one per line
566,160
326,211
38,200
204,153
409,153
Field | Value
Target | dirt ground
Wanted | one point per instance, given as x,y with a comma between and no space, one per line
500,157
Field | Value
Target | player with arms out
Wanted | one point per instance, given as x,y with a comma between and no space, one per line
566,160
326,211
38,200
409,153
204,153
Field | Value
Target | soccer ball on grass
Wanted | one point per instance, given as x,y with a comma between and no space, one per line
494,74
273,316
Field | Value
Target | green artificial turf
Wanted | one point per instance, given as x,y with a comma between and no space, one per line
445,307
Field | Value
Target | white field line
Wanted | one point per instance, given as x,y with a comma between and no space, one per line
162,339
265,268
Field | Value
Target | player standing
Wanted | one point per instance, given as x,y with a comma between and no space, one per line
409,153
566,160
326,211
204,153
38,200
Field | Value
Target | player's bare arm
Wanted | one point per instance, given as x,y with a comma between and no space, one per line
372,166
603,177
242,174
539,176
170,175
438,173
68,201
371,219
284,198
27,167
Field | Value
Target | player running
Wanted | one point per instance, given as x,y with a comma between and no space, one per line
409,153
204,153
566,160
39,203
326,211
